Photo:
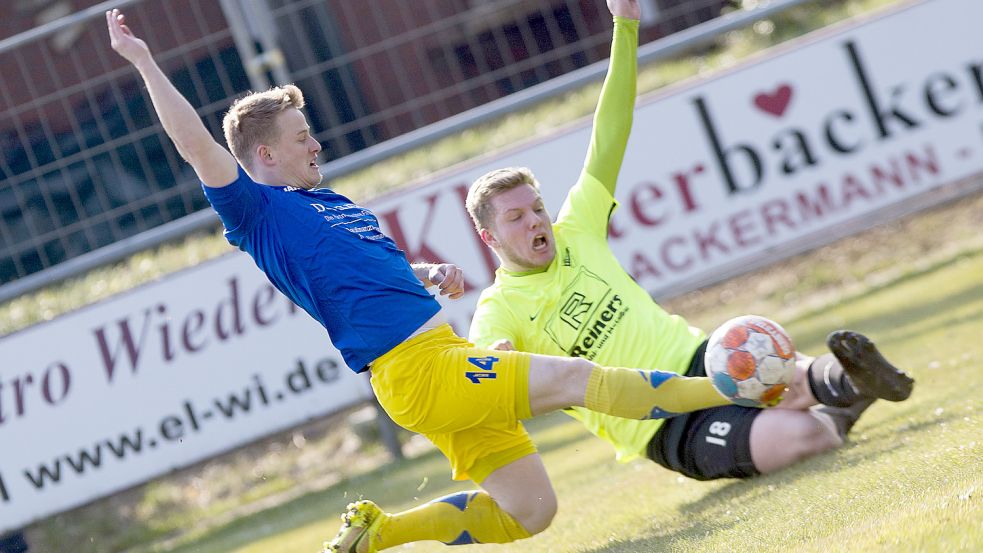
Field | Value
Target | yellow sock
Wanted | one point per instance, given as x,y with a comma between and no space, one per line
457,519
637,394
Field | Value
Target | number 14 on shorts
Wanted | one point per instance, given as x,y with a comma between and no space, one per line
487,366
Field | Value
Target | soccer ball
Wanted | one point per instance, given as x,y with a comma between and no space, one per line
750,360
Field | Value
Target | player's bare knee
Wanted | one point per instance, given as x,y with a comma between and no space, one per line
815,437
537,514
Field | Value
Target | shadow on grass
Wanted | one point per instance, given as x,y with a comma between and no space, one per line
413,481
406,481
666,542
699,520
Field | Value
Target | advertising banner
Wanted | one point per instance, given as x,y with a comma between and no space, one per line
794,148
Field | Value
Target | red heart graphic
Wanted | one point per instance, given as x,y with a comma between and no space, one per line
776,102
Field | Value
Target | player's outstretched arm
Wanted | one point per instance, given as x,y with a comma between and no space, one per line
214,164
616,105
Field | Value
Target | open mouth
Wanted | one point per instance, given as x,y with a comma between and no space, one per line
539,243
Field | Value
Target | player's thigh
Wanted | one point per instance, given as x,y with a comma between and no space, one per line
781,437
480,451
707,444
442,390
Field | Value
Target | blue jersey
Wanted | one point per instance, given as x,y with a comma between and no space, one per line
329,256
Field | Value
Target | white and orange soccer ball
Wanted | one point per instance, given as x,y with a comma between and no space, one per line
751,361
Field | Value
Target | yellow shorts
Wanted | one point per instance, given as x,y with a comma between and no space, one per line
468,401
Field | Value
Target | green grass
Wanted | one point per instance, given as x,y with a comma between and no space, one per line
278,494
920,298
908,480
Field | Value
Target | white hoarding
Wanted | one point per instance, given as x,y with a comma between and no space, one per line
792,147
719,173
155,379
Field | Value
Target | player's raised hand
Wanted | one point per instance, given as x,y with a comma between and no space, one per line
449,279
122,39
625,8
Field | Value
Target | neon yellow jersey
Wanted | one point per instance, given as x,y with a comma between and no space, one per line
585,304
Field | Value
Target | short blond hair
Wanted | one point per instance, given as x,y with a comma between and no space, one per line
492,184
250,120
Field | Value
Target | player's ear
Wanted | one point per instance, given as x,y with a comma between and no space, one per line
264,154
488,238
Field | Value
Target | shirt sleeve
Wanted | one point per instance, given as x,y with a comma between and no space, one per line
590,202
615,107
587,208
239,205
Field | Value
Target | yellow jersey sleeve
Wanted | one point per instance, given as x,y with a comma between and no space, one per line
616,105
589,204
587,208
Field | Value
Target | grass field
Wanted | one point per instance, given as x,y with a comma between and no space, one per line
910,479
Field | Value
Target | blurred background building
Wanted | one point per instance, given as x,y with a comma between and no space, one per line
84,164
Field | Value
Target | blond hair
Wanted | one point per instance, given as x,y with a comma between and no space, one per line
492,184
250,120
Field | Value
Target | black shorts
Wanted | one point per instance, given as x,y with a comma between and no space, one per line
706,444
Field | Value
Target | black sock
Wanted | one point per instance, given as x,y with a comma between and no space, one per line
845,417
830,383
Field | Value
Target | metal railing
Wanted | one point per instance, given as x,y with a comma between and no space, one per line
124,187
